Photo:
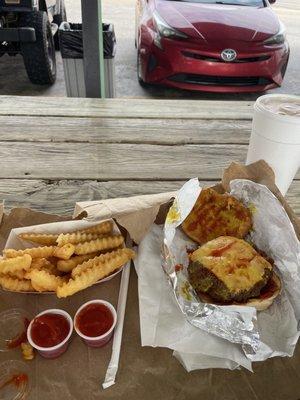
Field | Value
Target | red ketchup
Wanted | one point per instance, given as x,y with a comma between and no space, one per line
94,320
268,290
48,330
17,380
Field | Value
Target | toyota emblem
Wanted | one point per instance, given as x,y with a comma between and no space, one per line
228,55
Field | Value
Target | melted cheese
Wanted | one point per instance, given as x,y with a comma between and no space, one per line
233,261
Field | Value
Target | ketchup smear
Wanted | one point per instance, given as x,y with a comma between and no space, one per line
18,340
17,380
48,330
268,290
94,320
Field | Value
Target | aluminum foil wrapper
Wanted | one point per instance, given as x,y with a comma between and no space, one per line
264,334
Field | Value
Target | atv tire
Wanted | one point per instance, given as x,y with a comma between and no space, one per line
39,56
58,19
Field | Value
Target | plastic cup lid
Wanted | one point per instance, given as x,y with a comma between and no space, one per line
280,106
14,380
13,328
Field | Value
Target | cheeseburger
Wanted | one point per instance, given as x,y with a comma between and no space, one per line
228,270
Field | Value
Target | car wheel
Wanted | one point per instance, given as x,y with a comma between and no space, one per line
138,68
39,56
58,19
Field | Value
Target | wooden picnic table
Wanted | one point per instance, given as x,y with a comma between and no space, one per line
56,151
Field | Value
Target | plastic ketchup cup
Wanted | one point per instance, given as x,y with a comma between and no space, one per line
95,321
49,332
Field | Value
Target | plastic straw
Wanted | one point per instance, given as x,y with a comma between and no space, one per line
117,341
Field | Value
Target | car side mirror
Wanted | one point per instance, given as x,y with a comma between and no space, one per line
272,1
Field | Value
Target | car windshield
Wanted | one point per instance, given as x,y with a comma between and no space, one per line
251,3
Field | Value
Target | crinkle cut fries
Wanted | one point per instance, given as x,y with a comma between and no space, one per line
64,263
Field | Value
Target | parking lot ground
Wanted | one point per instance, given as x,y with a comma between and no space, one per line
121,13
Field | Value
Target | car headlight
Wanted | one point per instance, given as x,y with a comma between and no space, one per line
279,38
165,30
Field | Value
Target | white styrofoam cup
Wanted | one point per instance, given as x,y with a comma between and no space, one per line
275,136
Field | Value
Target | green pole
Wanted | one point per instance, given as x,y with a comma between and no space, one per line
101,50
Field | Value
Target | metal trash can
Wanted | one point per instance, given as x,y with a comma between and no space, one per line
71,48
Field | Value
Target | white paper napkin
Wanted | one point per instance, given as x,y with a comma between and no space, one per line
162,323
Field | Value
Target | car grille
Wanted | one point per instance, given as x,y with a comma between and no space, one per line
220,80
219,59
152,63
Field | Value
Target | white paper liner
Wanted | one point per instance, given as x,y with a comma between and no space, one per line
275,235
193,361
163,323
275,331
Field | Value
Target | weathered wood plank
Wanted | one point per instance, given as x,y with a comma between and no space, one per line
59,197
123,108
120,130
116,161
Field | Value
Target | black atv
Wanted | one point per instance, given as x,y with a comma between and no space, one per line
30,28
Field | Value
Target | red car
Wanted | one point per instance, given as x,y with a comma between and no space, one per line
209,45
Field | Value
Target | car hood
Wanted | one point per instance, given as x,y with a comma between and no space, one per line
213,22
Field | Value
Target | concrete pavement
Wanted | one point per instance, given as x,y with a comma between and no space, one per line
121,13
